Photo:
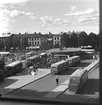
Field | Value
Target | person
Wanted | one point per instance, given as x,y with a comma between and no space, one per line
34,69
57,80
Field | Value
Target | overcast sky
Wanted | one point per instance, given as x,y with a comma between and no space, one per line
49,15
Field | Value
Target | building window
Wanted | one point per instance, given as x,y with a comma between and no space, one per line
38,43
55,38
28,40
28,43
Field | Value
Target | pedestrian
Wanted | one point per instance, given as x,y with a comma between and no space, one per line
34,69
57,80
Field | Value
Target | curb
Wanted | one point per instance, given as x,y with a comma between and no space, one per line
96,64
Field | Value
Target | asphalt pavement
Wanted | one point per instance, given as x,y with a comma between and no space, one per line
42,87
46,85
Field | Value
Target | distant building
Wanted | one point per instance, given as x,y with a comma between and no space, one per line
4,39
27,40
32,40
57,38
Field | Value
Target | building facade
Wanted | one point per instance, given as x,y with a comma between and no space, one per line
4,41
36,40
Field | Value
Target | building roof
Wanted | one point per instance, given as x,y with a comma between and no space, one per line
7,35
61,33
28,34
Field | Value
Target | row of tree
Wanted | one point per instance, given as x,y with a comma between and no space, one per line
82,39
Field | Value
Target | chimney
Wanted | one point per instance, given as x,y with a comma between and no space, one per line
39,32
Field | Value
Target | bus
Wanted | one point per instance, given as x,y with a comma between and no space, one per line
43,55
13,68
2,64
32,60
5,53
59,66
62,56
29,54
24,66
77,80
73,60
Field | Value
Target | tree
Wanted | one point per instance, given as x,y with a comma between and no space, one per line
74,40
94,41
1,44
46,45
83,39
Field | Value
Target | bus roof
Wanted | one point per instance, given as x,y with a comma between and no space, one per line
73,57
61,55
57,63
78,73
5,53
88,50
42,53
29,53
33,57
13,63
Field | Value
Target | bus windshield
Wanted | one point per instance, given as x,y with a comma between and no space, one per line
74,80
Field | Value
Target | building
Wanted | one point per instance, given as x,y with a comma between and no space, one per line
26,40
4,41
33,40
57,38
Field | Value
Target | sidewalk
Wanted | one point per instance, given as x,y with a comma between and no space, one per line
15,82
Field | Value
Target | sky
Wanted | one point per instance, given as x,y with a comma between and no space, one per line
20,16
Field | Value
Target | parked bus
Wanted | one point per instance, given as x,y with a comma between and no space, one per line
29,54
77,80
73,60
43,55
32,60
13,68
59,66
62,56
2,64
4,53
24,64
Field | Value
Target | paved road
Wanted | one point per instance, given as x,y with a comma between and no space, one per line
41,87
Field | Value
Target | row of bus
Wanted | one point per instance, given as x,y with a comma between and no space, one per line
18,66
64,64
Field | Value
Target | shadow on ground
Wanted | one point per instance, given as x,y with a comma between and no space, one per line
36,95
68,71
91,86
6,83
82,64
